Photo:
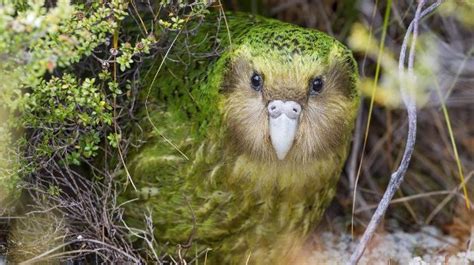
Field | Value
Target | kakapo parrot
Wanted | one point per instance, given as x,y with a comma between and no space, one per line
246,127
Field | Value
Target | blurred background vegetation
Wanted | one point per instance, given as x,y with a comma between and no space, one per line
71,77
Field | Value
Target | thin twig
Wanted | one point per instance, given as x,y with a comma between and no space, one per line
408,99
155,128
47,253
371,106
450,194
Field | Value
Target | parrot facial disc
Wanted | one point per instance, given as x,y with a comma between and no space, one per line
283,123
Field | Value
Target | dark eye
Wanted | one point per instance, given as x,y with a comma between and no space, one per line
316,86
256,81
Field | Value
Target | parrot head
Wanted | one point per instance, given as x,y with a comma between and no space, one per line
289,94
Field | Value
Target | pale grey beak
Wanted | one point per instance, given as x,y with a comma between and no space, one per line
283,121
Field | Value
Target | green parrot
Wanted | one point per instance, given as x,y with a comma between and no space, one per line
246,127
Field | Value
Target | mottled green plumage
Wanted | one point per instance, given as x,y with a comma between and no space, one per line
207,171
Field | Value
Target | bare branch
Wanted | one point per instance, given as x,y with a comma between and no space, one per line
408,99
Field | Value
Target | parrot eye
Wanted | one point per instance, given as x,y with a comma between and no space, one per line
256,81
316,86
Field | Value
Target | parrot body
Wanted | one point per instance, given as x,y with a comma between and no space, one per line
247,130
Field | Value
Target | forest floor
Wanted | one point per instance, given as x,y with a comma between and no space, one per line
426,246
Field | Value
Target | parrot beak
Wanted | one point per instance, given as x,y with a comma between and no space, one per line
283,121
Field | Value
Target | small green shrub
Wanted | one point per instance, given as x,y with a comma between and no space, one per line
64,114
70,77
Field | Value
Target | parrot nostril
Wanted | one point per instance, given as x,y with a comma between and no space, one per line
292,109
275,108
